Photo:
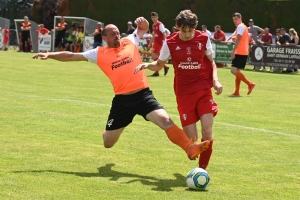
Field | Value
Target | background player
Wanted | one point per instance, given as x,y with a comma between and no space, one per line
118,61
25,30
5,38
239,54
159,35
195,74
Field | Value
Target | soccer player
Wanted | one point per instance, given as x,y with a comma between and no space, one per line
195,75
6,38
25,30
118,61
159,35
239,55
61,29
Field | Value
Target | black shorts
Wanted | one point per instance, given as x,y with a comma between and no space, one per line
125,107
239,61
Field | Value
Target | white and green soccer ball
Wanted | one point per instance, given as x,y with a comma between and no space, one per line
197,179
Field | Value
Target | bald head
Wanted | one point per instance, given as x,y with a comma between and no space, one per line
111,36
108,28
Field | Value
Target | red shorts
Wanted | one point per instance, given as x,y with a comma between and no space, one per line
6,40
156,48
192,106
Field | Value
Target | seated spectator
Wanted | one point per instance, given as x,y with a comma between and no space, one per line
79,40
277,36
266,39
71,38
284,37
130,28
294,41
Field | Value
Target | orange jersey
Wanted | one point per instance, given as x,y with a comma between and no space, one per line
26,25
119,64
243,46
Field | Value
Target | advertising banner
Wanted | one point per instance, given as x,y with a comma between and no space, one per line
88,43
44,43
223,53
276,56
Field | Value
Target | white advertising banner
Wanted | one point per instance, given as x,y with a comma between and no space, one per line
44,42
88,43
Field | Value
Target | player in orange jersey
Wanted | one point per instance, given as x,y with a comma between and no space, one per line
118,61
239,55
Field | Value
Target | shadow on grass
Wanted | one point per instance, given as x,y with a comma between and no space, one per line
165,185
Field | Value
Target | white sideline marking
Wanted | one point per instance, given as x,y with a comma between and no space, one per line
223,123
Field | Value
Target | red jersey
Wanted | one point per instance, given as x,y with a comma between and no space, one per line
193,70
6,33
157,34
219,34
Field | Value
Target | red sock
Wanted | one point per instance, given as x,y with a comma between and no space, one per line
165,66
242,77
177,136
205,156
237,85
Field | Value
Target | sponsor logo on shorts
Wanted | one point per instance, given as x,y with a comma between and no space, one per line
184,116
109,123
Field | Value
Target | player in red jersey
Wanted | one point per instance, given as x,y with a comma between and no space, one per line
6,38
195,75
159,35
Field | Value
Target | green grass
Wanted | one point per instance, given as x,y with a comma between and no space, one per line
52,115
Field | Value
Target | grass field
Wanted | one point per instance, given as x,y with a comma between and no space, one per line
52,115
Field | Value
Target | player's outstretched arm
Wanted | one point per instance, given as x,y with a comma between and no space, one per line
216,84
154,66
63,56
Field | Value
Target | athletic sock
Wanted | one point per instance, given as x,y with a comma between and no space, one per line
205,156
165,66
242,77
156,72
177,136
79,49
237,85
75,49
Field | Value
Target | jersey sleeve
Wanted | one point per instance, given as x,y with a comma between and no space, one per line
209,49
240,29
162,28
164,52
134,38
91,55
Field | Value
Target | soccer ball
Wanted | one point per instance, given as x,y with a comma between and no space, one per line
197,179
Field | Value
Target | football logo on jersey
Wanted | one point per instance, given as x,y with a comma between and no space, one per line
188,50
199,45
189,59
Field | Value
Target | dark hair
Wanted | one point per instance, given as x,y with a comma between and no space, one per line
73,25
236,14
186,19
283,29
204,26
154,14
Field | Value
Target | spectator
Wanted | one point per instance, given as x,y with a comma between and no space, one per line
277,36
43,30
219,35
5,38
130,28
266,39
204,28
60,37
294,41
254,30
98,35
25,30
72,46
79,40
71,38
284,37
